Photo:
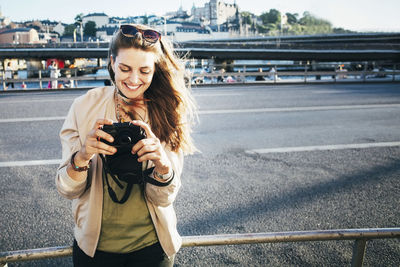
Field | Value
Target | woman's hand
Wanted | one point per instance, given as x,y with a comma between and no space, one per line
150,148
93,145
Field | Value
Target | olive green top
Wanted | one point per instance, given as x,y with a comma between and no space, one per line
125,227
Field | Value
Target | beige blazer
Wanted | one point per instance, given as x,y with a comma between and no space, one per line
87,204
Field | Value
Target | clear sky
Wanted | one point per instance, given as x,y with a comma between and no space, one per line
360,15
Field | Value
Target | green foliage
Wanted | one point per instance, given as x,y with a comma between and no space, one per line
246,17
292,18
78,19
310,20
69,30
307,24
341,30
90,28
273,16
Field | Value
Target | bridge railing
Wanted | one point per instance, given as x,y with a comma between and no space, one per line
360,236
71,79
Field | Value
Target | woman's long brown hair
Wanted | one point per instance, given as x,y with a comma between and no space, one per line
171,107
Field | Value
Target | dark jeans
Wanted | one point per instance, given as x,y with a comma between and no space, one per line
149,256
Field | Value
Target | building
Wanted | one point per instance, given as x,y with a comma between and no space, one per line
180,15
105,33
100,19
4,21
48,25
19,36
59,28
215,12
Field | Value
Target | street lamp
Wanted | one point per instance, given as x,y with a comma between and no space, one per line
81,29
75,35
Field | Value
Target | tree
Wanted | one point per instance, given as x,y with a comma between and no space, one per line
78,19
273,16
246,17
314,25
309,20
307,24
292,18
342,31
90,28
69,30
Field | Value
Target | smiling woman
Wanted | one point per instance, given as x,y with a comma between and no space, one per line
133,71
148,92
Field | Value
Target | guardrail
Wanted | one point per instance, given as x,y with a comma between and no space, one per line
71,79
230,78
302,76
361,236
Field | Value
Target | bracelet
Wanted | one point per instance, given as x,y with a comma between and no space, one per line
154,180
76,168
163,177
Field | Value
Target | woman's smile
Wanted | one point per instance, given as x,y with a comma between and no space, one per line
133,87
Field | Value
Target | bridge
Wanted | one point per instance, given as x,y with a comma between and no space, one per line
339,47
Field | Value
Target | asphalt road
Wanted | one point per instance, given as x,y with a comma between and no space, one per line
326,172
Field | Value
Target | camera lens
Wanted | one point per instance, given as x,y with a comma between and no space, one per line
125,140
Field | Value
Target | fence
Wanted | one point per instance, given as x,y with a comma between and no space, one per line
72,78
361,236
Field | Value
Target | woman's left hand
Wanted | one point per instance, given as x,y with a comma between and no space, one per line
150,148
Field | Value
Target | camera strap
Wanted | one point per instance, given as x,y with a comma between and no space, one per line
111,192
145,178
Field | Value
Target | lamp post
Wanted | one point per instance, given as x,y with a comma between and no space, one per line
75,35
165,26
81,29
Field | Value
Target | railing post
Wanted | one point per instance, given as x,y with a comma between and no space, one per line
76,75
358,252
364,71
335,76
40,79
4,84
305,73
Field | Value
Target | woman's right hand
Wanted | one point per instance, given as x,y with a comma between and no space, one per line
93,145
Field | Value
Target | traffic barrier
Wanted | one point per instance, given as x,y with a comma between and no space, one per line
361,236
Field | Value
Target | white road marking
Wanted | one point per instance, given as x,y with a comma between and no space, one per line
295,109
29,163
232,111
36,100
253,151
33,119
72,98
216,94
321,148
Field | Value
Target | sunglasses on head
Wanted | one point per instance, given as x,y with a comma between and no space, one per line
150,36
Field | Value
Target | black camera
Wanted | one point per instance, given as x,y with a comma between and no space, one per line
123,163
125,134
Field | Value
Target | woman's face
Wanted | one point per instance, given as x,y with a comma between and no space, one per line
134,70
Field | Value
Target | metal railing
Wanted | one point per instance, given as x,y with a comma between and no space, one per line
361,236
73,78
303,76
